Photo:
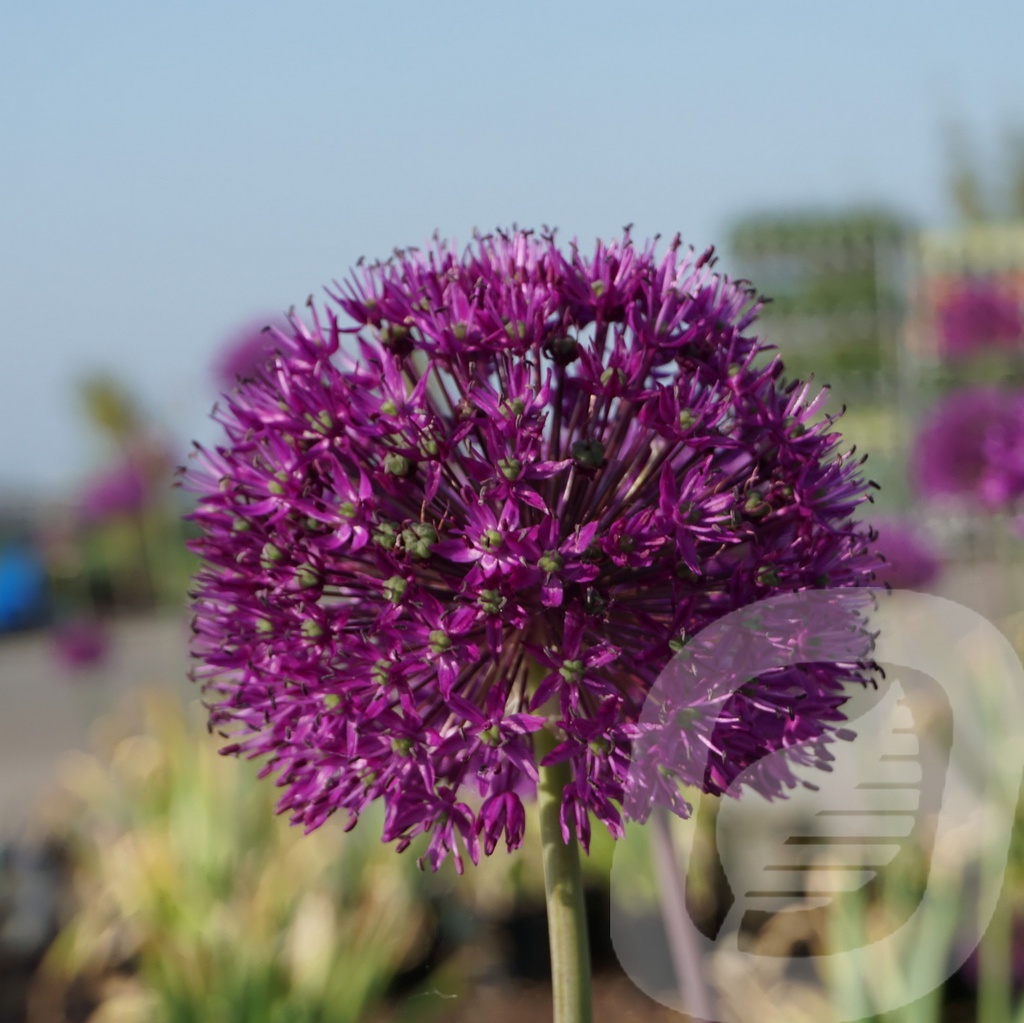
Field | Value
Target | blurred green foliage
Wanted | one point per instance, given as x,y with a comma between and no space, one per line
194,902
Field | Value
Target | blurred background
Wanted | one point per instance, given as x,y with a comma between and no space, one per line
173,178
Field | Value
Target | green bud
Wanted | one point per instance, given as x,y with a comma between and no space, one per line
755,506
588,453
326,420
394,589
516,330
389,408
491,736
686,419
347,510
735,369
598,288
439,641
460,330
677,644
385,535
419,538
381,672
599,746
401,746
398,465
510,468
307,577
492,539
617,374
311,629
517,407
275,488
550,561
271,555
241,526
428,446
767,576
332,700
264,626
490,601
571,671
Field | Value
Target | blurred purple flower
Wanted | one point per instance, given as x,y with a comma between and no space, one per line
977,316
910,561
536,476
245,351
80,643
119,490
971,446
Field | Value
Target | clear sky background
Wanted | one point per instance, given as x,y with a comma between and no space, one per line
168,171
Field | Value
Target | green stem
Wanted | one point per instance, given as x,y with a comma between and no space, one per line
563,888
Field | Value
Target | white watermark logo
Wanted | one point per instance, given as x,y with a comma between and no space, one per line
864,891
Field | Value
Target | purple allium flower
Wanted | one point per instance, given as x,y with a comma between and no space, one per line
977,316
969,447
119,490
910,562
80,643
245,352
521,483
1003,482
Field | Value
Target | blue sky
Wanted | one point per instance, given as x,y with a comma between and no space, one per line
169,171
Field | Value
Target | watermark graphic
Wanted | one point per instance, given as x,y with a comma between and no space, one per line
916,796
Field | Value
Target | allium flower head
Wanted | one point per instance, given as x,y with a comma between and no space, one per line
482,491
979,316
969,447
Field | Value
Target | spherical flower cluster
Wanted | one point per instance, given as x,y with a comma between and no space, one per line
970,448
490,492
979,316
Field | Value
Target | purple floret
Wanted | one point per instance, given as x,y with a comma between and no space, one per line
489,490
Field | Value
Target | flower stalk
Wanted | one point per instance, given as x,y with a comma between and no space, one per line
563,891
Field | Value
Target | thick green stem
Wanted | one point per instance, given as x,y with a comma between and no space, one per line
563,887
